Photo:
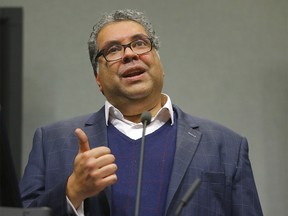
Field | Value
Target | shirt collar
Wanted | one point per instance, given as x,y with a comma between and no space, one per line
164,114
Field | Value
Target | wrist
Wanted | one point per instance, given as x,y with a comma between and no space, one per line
72,194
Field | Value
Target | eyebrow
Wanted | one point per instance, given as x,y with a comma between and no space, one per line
139,36
116,42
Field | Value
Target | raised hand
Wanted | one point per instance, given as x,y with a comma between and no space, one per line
94,170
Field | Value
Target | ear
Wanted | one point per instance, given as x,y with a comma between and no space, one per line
99,83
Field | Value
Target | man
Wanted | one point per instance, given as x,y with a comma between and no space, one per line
100,176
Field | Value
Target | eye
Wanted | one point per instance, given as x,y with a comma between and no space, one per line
113,50
140,43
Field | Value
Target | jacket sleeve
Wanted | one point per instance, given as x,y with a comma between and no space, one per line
245,200
33,186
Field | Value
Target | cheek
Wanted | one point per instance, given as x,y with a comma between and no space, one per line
109,68
152,59
157,67
107,74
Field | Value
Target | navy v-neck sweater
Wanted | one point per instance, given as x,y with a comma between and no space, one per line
157,166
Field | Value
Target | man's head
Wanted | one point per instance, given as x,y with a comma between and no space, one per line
117,16
123,50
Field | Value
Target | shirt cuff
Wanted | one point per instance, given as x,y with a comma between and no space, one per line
71,209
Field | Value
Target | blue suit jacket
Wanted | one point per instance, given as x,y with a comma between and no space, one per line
205,150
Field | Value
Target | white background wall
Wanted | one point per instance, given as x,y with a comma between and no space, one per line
225,60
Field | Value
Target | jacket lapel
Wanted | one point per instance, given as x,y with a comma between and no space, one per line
96,130
187,141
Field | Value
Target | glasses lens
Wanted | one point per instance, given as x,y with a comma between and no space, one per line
141,46
114,52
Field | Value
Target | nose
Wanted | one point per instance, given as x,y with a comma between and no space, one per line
129,55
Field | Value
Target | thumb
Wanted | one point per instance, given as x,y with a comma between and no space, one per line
82,140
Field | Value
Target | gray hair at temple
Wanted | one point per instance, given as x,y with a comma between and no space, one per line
116,16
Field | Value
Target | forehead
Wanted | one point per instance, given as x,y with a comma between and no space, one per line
119,31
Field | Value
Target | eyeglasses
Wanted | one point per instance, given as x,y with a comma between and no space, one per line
116,51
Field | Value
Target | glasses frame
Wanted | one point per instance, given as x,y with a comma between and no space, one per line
101,52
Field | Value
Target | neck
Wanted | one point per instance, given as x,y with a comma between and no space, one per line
133,111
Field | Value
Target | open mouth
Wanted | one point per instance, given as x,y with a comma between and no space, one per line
132,73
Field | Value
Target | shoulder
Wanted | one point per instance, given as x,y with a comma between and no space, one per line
71,124
215,139
206,127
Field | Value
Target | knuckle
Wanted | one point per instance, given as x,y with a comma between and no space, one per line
114,179
85,155
114,167
105,150
89,165
113,158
